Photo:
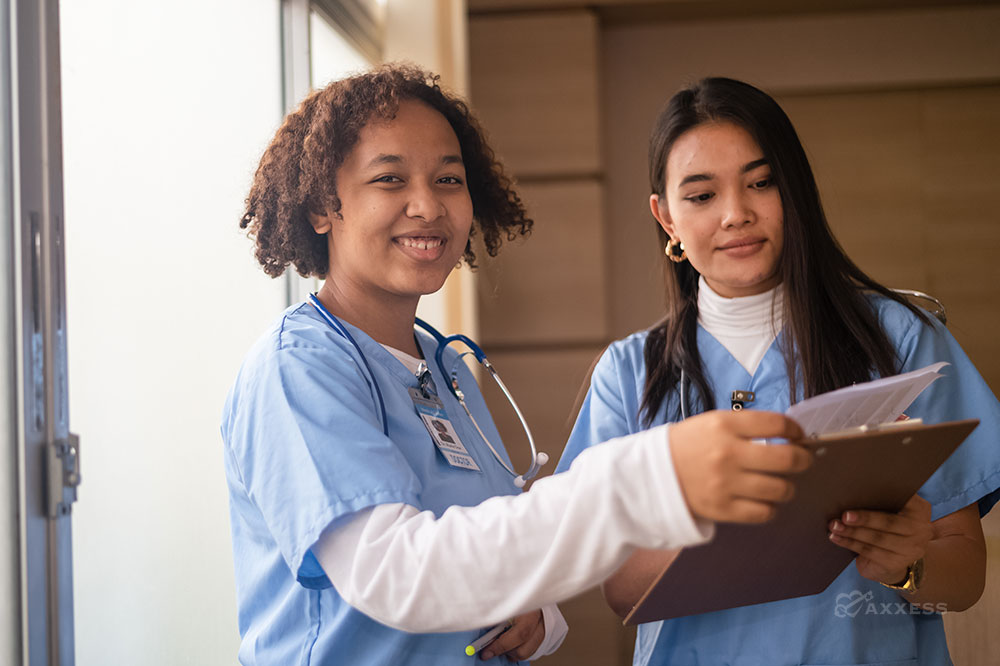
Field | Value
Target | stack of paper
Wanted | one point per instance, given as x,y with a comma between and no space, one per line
869,404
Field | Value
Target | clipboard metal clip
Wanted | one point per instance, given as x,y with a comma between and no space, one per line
860,430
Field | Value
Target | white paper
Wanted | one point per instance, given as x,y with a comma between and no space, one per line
869,404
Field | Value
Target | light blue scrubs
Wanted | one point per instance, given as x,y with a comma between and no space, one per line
304,448
823,628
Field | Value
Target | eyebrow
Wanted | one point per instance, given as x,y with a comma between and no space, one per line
386,158
700,177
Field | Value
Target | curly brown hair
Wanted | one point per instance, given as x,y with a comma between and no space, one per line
297,173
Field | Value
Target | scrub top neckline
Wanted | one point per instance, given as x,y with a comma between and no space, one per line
773,348
412,363
374,351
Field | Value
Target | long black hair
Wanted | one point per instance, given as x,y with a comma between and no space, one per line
832,336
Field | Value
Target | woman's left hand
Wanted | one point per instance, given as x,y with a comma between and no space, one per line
520,641
886,543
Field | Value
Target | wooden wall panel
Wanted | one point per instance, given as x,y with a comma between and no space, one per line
909,181
545,384
550,286
866,154
961,196
534,86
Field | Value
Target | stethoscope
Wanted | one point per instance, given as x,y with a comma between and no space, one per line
538,458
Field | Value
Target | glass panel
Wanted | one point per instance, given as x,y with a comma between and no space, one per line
168,105
331,56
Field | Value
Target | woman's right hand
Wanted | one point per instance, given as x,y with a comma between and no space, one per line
727,477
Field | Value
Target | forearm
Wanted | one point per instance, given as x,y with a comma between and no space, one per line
623,589
479,565
954,574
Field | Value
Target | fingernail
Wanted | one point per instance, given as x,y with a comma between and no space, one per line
832,536
837,526
850,517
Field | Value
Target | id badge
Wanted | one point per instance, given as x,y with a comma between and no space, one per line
431,411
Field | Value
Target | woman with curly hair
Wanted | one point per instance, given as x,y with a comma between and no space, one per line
371,522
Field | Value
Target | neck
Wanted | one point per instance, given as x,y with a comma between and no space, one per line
386,319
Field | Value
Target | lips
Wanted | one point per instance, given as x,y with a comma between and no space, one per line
422,247
420,242
740,243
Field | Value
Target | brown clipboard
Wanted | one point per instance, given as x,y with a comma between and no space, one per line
791,555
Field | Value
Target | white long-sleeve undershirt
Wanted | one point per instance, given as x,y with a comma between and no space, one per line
746,326
477,566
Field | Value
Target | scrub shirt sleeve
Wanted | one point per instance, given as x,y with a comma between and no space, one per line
972,473
604,414
310,450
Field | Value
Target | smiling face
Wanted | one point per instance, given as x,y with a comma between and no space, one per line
722,204
405,209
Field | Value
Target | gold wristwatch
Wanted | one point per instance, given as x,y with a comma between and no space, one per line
914,577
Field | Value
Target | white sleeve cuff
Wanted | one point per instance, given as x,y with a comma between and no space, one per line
555,631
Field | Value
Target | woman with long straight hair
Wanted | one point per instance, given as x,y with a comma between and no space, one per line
762,299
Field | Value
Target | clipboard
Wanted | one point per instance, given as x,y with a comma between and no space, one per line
876,468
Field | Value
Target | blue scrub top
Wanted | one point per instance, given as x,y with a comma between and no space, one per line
842,625
304,448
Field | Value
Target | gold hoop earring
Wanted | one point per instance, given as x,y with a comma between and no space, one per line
671,250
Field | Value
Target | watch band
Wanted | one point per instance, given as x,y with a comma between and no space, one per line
914,577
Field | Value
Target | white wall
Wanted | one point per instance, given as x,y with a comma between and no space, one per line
167,107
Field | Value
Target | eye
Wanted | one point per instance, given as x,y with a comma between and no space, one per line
700,198
762,184
388,178
450,180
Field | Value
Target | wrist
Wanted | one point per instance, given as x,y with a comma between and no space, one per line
911,580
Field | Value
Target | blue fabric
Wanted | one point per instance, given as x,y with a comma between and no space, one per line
818,629
304,448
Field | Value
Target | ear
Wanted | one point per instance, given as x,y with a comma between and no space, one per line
321,223
662,215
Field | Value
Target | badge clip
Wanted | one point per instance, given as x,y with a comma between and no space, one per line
423,375
738,399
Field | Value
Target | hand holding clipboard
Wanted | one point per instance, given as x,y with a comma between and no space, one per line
879,467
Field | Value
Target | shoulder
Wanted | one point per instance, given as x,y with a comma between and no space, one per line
299,332
296,344
897,320
625,355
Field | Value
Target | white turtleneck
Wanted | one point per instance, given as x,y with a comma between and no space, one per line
746,326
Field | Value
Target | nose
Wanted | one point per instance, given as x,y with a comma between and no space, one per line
424,204
736,210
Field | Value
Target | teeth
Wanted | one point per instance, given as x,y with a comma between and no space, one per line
421,244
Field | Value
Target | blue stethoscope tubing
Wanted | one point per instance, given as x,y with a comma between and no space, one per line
537,458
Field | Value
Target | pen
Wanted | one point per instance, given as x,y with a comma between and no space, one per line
487,638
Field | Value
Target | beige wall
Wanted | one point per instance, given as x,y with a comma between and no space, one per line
897,110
